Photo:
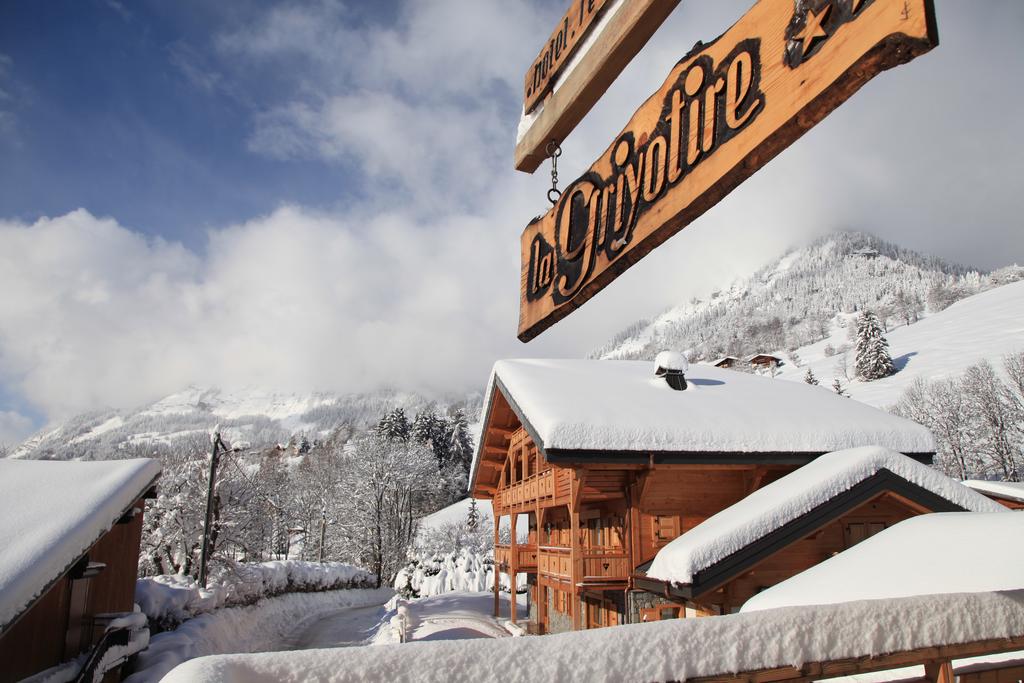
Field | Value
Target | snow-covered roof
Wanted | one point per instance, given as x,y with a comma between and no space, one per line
593,405
1010,490
786,499
52,512
981,552
672,650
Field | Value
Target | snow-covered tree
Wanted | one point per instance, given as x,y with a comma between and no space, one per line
473,516
460,446
387,485
837,387
394,426
908,306
872,350
998,429
810,378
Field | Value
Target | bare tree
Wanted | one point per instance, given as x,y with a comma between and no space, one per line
997,430
386,486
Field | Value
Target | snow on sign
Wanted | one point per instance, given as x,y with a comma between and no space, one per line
725,110
590,46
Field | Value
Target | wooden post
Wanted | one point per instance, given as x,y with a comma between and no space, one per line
497,571
208,521
575,555
513,565
939,672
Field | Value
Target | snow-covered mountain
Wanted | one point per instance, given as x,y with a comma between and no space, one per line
796,300
986,326
250,417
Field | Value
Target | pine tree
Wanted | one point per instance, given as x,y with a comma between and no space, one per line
473,518
810,378
460,447
872,351
838,387
394,426
424,427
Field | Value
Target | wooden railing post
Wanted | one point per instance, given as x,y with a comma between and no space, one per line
939,672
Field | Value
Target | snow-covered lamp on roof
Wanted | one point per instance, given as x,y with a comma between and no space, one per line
672,365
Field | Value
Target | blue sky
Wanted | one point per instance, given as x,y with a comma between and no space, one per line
320,195
132,111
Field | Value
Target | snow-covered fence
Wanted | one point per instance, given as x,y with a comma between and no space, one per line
169,600
793,643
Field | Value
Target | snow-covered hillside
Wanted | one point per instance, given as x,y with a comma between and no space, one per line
986,326
795,300
250,417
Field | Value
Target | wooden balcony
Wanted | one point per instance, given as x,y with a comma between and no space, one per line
554,563
550,487
605,565
600,566
526,555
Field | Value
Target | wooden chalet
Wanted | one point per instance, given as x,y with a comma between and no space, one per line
608,464
70,533
764,360
792,524
725,362
1007,493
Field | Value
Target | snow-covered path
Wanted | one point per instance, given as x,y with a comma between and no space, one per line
450,616
343,628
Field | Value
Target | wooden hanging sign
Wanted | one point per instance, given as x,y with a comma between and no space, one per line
563,42
726,109
620,28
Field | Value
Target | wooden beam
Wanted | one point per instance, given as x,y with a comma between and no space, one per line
724,111
624,34
813,671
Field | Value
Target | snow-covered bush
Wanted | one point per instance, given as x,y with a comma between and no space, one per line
433,574
169,600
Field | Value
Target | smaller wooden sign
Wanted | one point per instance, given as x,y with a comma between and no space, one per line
563,42
627,26
726,109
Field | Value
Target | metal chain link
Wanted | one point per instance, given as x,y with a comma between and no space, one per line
554,151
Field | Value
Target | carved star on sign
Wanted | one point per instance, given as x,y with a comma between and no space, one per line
812,28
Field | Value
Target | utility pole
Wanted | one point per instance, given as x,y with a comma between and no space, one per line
218,446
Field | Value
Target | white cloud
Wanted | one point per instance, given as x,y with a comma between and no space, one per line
416,284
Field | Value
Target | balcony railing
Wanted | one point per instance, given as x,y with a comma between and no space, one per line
550,485
526,555
600,565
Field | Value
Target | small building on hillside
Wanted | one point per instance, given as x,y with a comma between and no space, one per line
609,462
1008,493
725,362
70,535
764,361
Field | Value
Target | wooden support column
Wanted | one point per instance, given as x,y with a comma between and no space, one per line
513,565
939,672
575,547
497,570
